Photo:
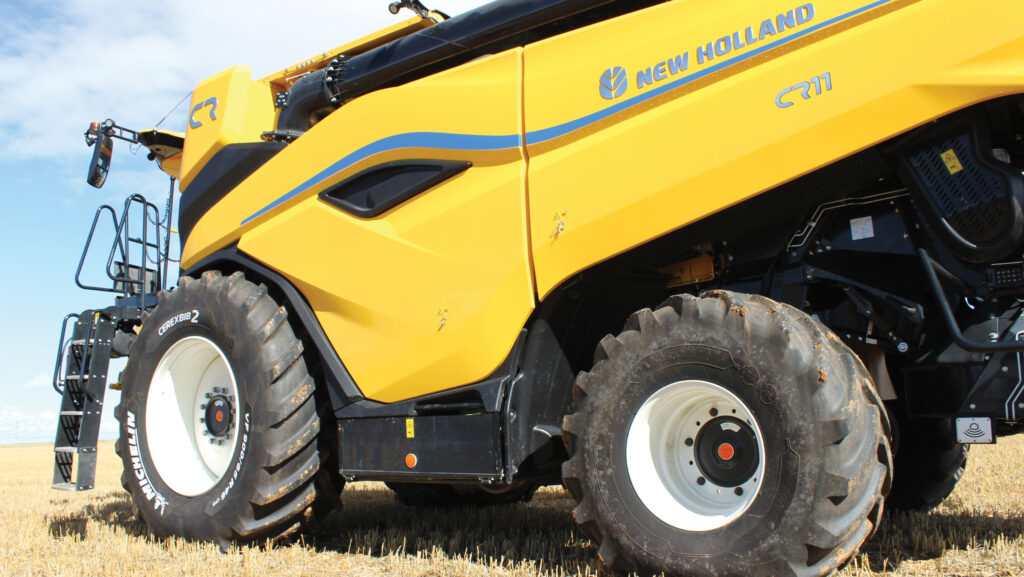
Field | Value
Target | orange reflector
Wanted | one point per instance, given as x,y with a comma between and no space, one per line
726,451
410,460
219,416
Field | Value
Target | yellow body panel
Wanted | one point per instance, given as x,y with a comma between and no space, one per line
227,108
432,294
721,137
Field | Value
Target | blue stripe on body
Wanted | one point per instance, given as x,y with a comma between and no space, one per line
438,140
447,141
546,134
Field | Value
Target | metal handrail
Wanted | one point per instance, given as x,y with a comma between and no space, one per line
122,247
62,348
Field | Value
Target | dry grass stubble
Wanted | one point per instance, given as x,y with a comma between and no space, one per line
979,531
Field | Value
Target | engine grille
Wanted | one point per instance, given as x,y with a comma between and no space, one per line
972,200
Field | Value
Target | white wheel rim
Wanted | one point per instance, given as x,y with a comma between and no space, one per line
663,467
189,459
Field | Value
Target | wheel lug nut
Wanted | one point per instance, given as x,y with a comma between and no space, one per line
689,442
202,420
738,490
713,412
207,395
220,442
202,407
701,480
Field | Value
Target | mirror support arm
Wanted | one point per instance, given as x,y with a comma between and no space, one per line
111,129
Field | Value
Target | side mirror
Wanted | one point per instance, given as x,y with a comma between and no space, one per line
102,149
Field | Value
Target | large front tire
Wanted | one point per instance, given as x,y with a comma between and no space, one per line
218,417
726,435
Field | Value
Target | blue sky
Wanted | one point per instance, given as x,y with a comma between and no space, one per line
65,63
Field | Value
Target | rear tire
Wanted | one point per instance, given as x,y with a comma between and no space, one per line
218,417
726,435
927,463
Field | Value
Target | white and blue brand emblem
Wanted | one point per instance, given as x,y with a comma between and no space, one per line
614,83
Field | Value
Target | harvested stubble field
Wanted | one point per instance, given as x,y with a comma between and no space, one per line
979,531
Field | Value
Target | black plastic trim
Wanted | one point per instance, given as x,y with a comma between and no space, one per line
539,397
221,174
451,447
488,395
380,188
412,56
343,390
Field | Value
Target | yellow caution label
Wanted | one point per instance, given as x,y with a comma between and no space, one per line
695,270
410,429
952,162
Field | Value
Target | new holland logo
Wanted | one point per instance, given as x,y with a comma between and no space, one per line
614,83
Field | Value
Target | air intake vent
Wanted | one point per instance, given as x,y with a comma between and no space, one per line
380,188
973,200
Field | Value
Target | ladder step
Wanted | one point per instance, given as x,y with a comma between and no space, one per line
71,413
74,449
69,487
81,342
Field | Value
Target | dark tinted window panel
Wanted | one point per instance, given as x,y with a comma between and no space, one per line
378,189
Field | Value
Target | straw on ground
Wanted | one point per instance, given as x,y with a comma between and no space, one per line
977,532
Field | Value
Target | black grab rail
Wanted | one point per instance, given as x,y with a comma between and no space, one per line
963,342
122,246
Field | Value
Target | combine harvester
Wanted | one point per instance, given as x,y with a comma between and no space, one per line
736,274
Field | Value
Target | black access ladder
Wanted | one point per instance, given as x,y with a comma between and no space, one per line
86,359
97,335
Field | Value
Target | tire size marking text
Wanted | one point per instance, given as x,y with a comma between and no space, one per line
145,485
238,465
820,84
190,316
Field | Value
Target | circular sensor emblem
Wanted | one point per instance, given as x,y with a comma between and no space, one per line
614,83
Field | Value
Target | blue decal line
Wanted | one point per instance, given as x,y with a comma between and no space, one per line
445,141
437,140
544,135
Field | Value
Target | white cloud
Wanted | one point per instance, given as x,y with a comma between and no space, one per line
39,380
20,427
69,62
40,426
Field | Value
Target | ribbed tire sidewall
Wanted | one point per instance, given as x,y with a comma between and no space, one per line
273,479
928,463
827,465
